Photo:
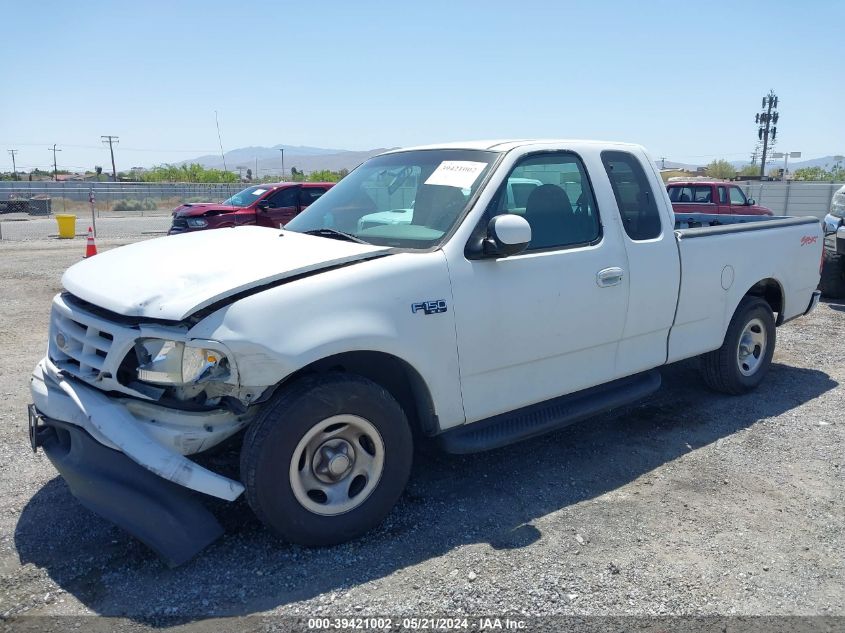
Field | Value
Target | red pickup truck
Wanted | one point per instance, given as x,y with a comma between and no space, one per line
712,196
272,205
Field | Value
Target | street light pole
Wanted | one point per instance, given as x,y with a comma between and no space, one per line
282,150
786,156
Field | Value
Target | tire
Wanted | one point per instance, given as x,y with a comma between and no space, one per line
327,459
736,370
832,283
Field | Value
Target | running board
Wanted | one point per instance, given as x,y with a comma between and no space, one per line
537,419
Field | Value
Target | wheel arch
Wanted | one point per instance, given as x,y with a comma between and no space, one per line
392,373
771,291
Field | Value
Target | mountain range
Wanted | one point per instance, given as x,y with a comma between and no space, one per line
824,161
306,158
269,159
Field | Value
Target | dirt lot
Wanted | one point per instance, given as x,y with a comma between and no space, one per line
690,503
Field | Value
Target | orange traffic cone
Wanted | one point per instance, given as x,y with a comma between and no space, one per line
91,247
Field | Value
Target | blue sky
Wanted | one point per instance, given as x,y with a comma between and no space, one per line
684,79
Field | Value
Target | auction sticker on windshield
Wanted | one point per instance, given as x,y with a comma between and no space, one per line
456,173
258,192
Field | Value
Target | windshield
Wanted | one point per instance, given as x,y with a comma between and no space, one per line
407,199
837,205
247,196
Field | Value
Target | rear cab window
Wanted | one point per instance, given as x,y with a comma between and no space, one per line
634,195
691,193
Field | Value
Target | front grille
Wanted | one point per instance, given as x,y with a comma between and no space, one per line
179,223
79,348
88,347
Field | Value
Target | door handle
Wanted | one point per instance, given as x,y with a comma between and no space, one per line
609,277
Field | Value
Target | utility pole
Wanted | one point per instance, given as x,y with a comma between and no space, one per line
14,168
108,138
282,150
767,121
55,167
256,168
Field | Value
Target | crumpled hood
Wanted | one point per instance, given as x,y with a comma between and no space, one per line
193,209
173,277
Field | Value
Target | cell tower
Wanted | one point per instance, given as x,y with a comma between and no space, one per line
767,130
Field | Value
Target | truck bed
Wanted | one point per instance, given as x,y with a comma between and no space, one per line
729,255
697,220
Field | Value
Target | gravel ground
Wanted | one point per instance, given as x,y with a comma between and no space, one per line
691,503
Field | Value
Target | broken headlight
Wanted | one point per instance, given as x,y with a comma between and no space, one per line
163,362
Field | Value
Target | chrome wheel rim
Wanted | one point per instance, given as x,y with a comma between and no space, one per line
751,348
337,465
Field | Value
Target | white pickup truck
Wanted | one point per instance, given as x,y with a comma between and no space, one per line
527,285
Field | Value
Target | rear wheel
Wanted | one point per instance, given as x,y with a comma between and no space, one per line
832,283
327,459
742,361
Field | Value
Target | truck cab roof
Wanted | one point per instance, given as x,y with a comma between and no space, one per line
505,145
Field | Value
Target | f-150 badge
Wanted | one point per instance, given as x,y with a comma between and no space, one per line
429,307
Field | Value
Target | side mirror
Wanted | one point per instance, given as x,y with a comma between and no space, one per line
751,202
263,205
507,235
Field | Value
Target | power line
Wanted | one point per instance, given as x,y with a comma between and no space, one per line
111,139
14,168
128,149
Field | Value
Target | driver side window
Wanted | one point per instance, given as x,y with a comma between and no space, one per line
737,197
553,193
284,198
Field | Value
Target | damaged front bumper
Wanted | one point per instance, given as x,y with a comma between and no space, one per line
164,516
130,467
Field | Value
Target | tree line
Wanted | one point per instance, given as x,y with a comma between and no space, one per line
194,172
724,170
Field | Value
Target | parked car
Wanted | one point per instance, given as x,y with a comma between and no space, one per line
272,205
485,320
832,283
712,196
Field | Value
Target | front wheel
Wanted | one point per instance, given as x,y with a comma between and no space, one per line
742,361
327,459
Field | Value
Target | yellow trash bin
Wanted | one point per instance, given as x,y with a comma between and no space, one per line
67,225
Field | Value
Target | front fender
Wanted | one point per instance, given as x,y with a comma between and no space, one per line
362,307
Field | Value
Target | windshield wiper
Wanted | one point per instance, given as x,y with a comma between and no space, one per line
335,235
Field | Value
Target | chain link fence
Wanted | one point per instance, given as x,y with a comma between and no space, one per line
122,197
119,210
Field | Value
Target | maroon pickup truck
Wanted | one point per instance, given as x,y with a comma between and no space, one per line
272,205
712,196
